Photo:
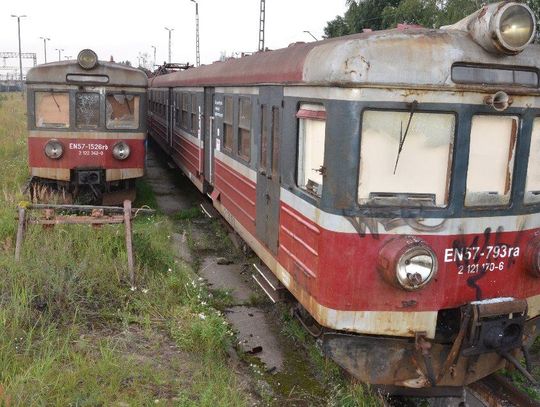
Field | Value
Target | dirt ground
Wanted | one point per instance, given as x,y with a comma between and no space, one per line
275,367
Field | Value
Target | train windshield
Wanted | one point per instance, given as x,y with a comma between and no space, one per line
493,140
398,151
122,111
52,109
532,188
87,110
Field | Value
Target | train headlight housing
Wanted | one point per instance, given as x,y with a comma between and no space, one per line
87,59
407,262
532,257
515,27
121,150
54,149
504,27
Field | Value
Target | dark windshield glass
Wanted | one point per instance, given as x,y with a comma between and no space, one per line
87,110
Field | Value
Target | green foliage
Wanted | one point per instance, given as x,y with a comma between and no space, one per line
191,213
72,329
384,14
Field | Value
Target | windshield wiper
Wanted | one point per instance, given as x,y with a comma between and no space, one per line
57,105
402,135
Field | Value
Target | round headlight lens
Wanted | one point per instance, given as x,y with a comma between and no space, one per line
54,149
517,27
87,59
415,268
121,151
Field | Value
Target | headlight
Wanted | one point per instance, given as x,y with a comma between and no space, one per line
407,262
504,27
120,151
87,59
516,27
54,149
415,268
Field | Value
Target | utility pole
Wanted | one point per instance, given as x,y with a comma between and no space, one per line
309,32
197,54
45,39
20,54
262,22
154,56
59,53
170,30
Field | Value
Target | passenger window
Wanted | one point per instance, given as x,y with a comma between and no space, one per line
122,111
52,109
532,186
228,124
491,160
87,110
194,115
244,128
311,138
419,175
185,110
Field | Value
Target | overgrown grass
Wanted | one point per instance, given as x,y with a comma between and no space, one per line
66,309
340,391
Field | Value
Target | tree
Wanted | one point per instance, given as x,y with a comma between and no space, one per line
383,14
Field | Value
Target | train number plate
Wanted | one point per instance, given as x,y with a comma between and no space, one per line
472,260
89,149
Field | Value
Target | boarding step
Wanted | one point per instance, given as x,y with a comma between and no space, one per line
269,283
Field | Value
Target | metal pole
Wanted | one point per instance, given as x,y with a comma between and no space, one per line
20,53
197,44
59,53
309,32
45,39
170,30
262,23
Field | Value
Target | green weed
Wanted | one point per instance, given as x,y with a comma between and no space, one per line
73,331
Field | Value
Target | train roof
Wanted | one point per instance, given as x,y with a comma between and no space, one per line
410,56
56,73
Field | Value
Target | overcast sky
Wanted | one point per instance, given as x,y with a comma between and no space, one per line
123,29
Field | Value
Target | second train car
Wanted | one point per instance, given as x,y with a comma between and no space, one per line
389,180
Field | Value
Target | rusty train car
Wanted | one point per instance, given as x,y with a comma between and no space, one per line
389,180
87,128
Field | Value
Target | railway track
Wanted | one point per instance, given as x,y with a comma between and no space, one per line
497,391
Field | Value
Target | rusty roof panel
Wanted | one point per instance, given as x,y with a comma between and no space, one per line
413,57
56,73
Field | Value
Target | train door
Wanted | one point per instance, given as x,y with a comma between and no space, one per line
268,173
209,130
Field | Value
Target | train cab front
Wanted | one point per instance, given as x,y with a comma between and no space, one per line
434,278
462,344
87,126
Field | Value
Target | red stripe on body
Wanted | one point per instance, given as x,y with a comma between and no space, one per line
80,153
238,195
347,278
187,153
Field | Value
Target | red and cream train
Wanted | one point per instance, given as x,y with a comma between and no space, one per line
87,128
391,182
